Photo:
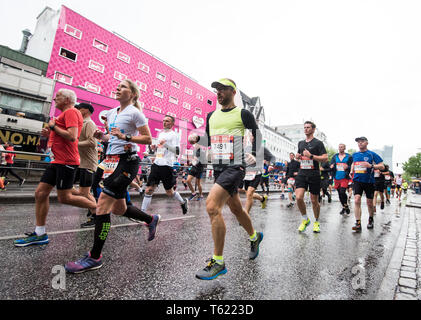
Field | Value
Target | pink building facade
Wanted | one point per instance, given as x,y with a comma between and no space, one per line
92,61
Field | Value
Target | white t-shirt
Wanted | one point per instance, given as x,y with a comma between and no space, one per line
127,121
163,156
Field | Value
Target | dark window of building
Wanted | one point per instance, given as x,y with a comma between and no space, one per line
68,54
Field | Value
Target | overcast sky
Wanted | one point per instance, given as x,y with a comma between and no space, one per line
353,67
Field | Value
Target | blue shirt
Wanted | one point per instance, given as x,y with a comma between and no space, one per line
361,174
340,172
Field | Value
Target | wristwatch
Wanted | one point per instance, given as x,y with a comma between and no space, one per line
311,157
52,127
128,137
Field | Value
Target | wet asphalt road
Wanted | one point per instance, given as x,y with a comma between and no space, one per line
290,265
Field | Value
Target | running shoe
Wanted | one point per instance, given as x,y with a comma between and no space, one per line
89,223
153,226
22,182
382,205
185,206
329,199
316,227
347,210
199,198
342,211
211,271
192,196
357,227
87,263
303,225
370,224
290,205
265,201
254,246
31,239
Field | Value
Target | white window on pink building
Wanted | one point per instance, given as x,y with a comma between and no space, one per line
92,87
143,67
142,86
119,76
197,110
141,104
173,100
72,31
186,105
156,109
172,114
184,119
100,45
123,57
158,93
161,76
69,55
175,84
188,91
199,96
64,78
96,66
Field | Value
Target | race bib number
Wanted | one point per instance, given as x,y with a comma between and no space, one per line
109,165
291,181
306,163
376,174
340,166
160,151
359,168
250,175
387,177
222,147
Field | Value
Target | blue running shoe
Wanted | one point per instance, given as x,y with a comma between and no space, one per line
254,246
192,196
153,226
211,271
31,239
87,263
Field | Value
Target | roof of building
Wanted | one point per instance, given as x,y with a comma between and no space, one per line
24,59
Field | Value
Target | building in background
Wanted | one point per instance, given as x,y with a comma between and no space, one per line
295,132
92,61
25,100
279,145
387,155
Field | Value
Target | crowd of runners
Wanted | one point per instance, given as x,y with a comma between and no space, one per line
107,163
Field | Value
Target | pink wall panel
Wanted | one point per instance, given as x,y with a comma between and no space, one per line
86,52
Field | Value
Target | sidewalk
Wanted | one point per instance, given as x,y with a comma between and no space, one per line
402,280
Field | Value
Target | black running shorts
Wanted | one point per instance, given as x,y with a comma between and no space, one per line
116,184
59,175
164,174
311,183
252,183
230,178
196,172
379,186
360,187
86,177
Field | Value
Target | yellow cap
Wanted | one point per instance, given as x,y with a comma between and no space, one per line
224,82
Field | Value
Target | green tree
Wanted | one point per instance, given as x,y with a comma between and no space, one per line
413,166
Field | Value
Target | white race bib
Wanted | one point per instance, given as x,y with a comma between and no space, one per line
306,163
222,147
250,175
359,168
109,165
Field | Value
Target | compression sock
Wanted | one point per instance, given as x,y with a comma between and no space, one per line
102,227
137,214
146,202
